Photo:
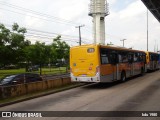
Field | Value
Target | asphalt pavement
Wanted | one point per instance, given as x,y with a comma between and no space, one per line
141,93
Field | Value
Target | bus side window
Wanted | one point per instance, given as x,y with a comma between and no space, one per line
150,57
104,56
135,57
113,58
130,58
140,57
144,58
120,58
157,57
104,59
124,57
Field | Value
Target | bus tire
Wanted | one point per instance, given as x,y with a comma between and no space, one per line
123,76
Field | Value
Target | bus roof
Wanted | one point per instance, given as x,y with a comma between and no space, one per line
151,52
109,47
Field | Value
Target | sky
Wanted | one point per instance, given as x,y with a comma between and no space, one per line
45,19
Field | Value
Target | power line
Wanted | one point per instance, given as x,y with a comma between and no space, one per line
59,20
46,36
46,33
52,37
50,18
40,34
38,18
37,13
56,19
36,36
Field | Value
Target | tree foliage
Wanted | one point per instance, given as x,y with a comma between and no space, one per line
15,49
11,44
61,48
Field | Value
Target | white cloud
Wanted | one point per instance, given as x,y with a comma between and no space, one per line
130,23
134,9
1,15
33,21
73,9
111,2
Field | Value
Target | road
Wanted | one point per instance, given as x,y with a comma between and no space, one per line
141,93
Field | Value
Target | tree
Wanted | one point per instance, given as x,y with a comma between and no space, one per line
4,35
60,48
18,43
36,54
4,49
110,43
12,44
15,49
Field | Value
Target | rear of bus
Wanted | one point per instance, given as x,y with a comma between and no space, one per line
147,61
152,61
158,60
84,63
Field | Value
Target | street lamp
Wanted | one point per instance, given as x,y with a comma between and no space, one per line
123,41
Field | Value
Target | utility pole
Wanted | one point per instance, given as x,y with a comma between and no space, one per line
123,41
79,27
147,29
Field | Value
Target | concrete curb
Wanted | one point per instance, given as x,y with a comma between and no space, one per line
41,95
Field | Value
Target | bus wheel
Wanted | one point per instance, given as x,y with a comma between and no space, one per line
123,77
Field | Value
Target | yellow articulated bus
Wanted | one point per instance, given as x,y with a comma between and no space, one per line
98,63
152,60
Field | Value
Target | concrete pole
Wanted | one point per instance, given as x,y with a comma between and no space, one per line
98,10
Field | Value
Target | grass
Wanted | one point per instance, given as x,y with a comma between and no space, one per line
45,71
53,70
4,73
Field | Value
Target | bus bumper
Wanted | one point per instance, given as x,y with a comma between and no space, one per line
95,78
